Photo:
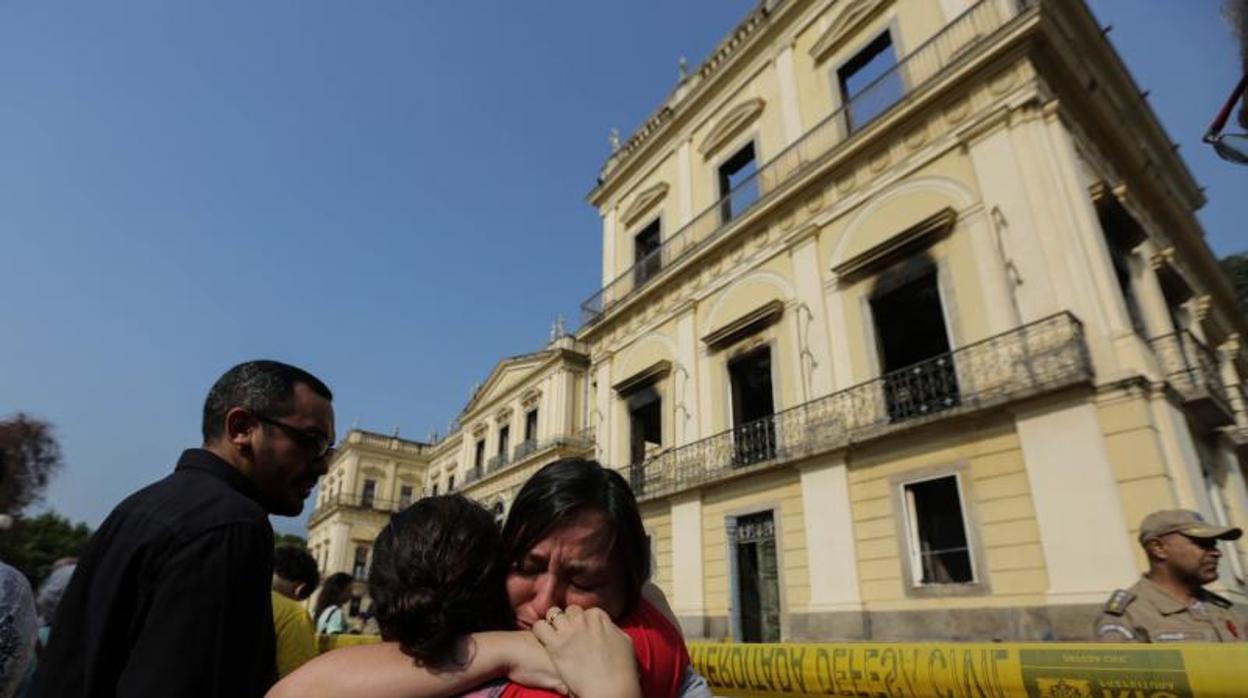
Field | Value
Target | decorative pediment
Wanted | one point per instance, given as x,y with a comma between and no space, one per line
644,377
503,416
845,26
643,202
507,374
530,398
747,324
891,248
730,124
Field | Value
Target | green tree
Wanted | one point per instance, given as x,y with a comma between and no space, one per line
1236,267
289,539
33,544
29,457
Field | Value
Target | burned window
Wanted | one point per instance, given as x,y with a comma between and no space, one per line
754,430
645,424
504,439
738,187
1122,236
370,491
919,374
450,483
758,578
405,496
647,255
478,458
936,529
869,82
530,426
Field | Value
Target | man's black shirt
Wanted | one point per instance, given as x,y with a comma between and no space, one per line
171,597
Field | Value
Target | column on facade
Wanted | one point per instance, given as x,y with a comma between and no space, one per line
685,379
608,245
688,588
1075,494
684,186
339,558
603,407
842,369
1001,314
786,78
831,558
1014,231
1179,448
815,358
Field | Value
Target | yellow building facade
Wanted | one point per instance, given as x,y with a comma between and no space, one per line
905,323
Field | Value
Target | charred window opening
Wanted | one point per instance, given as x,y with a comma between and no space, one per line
450,483
738,187
405,496
919,374
939,552
530,426
647,260
754,431
370,491
869,83
478,458
758,577
645,420
504,441
359,570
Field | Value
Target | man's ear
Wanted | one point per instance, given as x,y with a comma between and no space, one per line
1156,549
239,425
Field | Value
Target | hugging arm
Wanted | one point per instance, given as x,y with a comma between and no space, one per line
383,671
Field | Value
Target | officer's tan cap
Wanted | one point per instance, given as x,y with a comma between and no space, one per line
1189,523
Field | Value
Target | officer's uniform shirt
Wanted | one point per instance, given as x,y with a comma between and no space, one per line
1146,613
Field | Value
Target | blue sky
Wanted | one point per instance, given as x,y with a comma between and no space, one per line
390,194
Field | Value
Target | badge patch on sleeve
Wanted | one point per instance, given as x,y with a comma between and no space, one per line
1118,602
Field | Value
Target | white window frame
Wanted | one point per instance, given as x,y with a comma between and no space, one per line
913,549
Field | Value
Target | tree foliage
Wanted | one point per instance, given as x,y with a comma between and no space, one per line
33,544
281,539
29,457
1236,267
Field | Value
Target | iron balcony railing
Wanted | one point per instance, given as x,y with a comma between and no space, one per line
1195,373
916,69
357,501
581,441
1030,360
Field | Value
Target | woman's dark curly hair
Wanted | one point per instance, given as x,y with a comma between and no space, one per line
436,577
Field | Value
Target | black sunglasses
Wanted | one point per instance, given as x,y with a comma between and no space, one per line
316,445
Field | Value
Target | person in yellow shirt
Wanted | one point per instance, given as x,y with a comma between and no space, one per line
295,577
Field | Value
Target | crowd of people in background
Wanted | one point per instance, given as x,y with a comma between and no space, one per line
181,591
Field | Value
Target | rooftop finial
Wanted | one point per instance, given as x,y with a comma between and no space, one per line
682,68
396,431
557,329
614,139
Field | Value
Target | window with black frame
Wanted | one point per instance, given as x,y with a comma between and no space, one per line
919,375
369,493
753,407
738,187
870,82
936,530
647,254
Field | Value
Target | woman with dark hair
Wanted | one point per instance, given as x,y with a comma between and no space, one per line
335,592
574,556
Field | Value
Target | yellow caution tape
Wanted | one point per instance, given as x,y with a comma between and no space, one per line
1030,670
960,670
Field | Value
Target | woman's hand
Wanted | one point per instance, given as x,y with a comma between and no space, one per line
528,663
594,657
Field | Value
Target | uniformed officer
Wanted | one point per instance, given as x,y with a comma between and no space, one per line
1170,603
